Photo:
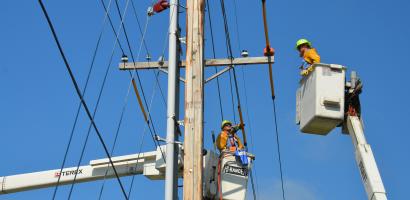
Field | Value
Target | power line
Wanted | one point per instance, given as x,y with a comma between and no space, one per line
78,91
148,53
80,105
214,55
118,131
97,104
246,104
229,47
269,51
147,119
156,75
142,139
249,122
278,149
138,77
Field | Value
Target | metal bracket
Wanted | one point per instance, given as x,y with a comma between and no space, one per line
160,139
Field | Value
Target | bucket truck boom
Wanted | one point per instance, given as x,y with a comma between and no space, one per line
324,101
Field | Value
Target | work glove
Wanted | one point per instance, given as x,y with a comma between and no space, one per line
304,72
310,69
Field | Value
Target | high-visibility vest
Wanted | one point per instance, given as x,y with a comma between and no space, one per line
232,142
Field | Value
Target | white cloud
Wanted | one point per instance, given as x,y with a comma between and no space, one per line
294,190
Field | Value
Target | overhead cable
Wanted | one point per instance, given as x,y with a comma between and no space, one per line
79,93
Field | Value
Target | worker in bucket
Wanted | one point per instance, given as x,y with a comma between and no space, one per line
309,55
227,139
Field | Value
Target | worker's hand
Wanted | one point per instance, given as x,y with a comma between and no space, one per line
310,68
304,72
241,126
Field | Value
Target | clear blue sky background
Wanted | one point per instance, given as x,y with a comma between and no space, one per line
38,102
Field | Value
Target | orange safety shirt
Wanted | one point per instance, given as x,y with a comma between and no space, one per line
311,56
223,141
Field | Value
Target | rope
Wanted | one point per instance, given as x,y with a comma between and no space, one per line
78,91
80,105
214,56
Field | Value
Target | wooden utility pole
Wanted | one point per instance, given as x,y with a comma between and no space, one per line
194,105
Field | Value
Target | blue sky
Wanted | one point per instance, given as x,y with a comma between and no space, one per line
38,101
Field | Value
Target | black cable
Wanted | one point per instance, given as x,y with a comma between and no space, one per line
253,185
229,48
156,76
138,78
132,77
112,25
147,51
232,98
116,137
278,148
214,56
230,55
246,104
90,126
78,91
78,109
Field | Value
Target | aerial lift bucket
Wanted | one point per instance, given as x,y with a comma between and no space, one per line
229,178
320,99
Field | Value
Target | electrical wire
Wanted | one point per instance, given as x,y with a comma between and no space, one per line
229,48
148,53
135,72
78,91
163,52
148,118
214,56
142,139
80,105
249,124
118,130
125,101
278,150
268,51
97,105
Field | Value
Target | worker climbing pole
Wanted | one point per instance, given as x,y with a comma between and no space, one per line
269,51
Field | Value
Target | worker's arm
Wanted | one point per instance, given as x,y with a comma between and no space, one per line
221,141
240,145
236,128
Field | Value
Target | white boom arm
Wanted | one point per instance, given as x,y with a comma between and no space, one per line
369,172
150,164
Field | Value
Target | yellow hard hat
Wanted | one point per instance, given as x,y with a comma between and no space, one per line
303,41
225,122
